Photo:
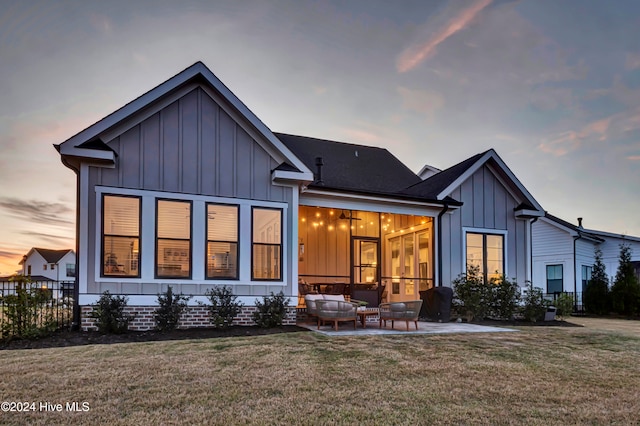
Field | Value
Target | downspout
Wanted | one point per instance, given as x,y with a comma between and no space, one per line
439,247
535,219
575,273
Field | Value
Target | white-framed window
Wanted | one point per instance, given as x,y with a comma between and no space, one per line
586,275
266,259
554,279
485,250
173,238
120,237
222,241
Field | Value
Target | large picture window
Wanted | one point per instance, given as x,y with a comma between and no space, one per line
486,251
554,279
173,239
222,241
266,262
120,236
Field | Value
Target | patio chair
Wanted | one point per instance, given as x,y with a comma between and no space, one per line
400,311
336,311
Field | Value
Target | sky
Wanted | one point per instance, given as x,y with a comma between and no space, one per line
553,86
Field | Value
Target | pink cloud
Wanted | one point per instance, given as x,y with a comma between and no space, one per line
421,101
632,62
633,157
413,56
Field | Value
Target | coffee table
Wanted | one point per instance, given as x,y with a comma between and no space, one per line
364,313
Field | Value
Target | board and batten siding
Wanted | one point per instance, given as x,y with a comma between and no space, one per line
488,205
191,146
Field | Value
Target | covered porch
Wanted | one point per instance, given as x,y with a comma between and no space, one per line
369,256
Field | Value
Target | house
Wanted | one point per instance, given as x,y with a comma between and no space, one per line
564,254
45,264
185,186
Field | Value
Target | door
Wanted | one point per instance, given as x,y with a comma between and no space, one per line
403,268
365,261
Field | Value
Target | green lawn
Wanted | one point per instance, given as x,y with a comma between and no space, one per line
540,375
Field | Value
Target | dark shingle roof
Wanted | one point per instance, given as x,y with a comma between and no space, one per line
52,256
437,183
352,167
572,227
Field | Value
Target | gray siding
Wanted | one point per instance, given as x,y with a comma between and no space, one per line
487,205
191,146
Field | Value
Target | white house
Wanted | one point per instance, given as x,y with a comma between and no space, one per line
185,186
563,254
47,264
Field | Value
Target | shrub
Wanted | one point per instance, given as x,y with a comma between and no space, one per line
470,293
26,312
506,295
597,298
109,314
534,304
171,306
476,299
223,308
271,311
625,291
564,305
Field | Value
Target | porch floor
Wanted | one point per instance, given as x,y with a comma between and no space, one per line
346,329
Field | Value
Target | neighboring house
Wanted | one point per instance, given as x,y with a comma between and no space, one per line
46,264
186,187
564,254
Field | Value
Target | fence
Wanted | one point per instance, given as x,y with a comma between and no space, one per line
32,308
578,307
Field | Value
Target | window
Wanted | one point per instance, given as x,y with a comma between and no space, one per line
71,270
120,236
222,241
486,251
53,266
173,239
45,267
28,269
586,276
554,279
266,262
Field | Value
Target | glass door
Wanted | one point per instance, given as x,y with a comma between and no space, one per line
403,268
365,261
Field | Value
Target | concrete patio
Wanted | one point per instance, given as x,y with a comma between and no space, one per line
372,329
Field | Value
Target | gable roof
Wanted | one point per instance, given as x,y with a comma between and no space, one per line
87,145
351,167
593,234
50,256
441,185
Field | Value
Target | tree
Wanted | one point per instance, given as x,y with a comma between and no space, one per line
625,292
596,296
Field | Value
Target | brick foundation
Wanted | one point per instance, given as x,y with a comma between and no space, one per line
194,316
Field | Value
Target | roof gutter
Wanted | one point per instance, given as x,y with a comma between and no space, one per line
439,245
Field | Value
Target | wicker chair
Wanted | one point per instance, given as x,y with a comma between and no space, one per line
336,311
400,311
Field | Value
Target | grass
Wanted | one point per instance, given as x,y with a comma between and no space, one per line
540,375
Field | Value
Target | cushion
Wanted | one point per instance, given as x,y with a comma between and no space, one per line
397,307
330,306
339,297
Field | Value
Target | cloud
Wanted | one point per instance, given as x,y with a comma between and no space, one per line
415,55
422,101
40,212
50,239
632,62
633,157
9,254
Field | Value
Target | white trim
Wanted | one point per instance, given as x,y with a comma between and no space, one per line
152,300
289,175
334,200
83,243
155,94
476,166
198,237
491,231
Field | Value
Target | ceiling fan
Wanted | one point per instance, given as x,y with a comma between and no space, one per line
344,216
